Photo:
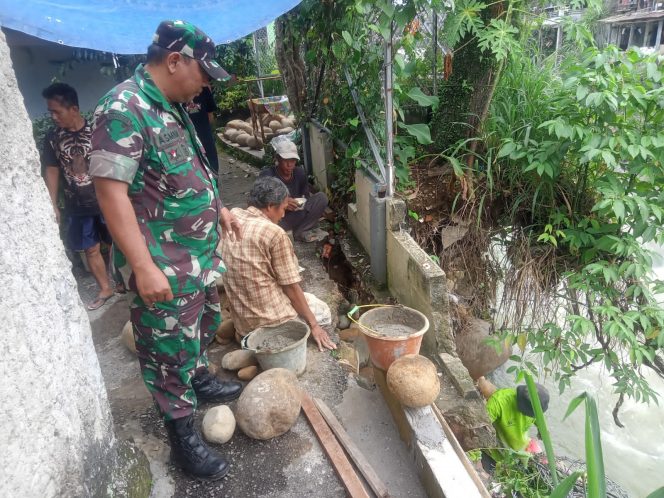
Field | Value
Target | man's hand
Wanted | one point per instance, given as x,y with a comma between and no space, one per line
230,225
322,339
152,284
292,205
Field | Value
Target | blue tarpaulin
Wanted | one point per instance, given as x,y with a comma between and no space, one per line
126,26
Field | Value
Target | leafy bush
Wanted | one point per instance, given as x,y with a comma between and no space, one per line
576,167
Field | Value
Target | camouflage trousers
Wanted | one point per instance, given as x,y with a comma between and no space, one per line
171,339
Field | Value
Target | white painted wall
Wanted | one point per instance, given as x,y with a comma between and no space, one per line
56,430
36,64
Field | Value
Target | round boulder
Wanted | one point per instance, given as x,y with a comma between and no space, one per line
247,373
128,337
413,379
240,358
219,424
269,405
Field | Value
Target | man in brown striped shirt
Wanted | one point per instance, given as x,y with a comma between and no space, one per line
262,280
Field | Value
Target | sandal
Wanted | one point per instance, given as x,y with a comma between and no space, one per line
98,303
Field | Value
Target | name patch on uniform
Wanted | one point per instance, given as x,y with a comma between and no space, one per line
168,137
172,142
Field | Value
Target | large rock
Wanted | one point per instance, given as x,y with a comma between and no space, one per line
219,424
476,355
269,404
240,358
226,330
128,337
247,373
413,379
471,426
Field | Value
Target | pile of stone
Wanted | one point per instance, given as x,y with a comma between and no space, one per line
242,132
268,407
241,361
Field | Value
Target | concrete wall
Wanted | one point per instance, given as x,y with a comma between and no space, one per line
321,155
56,427
416,281
358,211
36,64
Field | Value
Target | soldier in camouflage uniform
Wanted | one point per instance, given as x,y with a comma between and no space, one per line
160,198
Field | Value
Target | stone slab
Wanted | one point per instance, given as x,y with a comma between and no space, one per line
458,374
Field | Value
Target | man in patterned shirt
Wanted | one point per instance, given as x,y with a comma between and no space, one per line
159,196
66,156
263,281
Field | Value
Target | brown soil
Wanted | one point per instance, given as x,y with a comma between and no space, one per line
430,200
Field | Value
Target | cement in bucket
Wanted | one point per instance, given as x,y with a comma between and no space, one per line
391,332
281,346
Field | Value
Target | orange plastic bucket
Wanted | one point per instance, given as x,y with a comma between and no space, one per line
391,332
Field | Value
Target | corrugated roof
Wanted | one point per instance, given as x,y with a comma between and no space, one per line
638,16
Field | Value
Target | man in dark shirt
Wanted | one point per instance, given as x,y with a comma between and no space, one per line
66,155
201,112
304,208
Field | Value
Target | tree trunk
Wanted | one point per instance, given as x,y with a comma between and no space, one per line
291,64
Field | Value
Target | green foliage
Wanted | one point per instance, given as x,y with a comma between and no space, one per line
238,59
540,421
583,166
518,477
231,99
595,477
349,35
658,493
40,127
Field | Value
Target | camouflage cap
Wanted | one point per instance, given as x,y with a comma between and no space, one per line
183,37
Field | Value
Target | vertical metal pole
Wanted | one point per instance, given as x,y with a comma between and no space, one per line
389,109
258,64
631,36
435,53
646,35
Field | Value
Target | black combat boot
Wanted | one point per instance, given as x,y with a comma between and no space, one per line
191,454
209,389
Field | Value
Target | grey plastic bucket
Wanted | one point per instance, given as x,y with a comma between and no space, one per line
292,356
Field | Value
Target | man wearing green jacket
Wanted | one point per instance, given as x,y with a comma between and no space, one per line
511,412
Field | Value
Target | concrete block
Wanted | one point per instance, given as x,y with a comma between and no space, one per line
416,281
396,213
459,376
320,144
444,470
358,212
440,468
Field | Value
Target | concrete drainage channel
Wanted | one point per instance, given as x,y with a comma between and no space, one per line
441,464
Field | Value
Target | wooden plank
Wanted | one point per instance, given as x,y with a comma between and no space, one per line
356,455
334,451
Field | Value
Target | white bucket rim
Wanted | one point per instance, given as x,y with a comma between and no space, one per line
295,344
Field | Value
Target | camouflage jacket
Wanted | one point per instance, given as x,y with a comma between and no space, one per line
142,139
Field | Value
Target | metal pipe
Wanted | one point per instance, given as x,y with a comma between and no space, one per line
435,53
258,65
373,143
389,109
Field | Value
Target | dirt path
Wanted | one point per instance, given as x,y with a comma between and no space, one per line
292,465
